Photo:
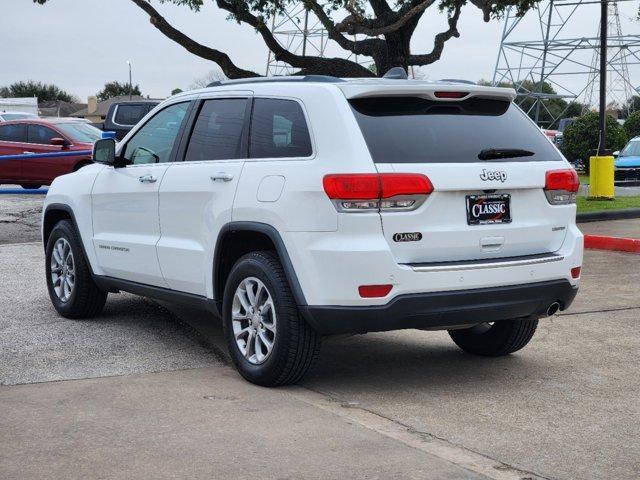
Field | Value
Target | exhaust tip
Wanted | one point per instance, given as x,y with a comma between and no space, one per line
553,308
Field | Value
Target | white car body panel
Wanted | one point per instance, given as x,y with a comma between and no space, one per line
193,210
126,226
171,226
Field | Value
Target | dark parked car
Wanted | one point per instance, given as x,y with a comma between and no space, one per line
43,136
122,116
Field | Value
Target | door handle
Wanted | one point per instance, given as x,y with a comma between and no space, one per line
225,177
27,153
147,179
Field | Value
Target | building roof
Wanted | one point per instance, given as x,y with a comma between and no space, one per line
103,107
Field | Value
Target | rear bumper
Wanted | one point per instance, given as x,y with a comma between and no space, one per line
442,310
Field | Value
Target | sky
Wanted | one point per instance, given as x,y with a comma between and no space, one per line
81,44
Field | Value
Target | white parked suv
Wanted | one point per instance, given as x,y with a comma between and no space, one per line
299,207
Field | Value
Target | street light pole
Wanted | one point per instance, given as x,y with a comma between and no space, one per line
130,84
604,17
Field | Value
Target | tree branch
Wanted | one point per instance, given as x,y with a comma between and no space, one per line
388,23
440,39
361,47
308,64
221,58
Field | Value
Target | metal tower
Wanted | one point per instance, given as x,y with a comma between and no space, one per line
302,33
564,57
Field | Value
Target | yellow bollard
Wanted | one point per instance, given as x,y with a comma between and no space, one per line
601,177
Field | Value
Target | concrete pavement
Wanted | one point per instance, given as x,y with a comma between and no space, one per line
613,228
395,405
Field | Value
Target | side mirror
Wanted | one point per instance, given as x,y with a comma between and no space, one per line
616,153
104,151
60,142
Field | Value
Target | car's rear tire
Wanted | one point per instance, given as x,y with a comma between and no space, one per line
497,338
30,187
268,340
71,288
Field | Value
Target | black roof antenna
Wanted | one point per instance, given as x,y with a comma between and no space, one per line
396,73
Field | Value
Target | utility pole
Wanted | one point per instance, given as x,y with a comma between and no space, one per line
604,16
601,167
130,84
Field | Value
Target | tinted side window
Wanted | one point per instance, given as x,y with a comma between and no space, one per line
278,129
217,134
13,133
130,114
40,134
154,142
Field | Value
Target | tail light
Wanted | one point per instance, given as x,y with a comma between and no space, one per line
450,94
377,191
561,186
575,272
374,291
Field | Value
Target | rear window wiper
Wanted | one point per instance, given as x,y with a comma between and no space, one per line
496,153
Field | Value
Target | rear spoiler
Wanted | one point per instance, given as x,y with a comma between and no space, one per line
392,88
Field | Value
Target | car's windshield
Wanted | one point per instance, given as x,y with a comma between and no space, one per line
17,116
631,150
80,132
418,130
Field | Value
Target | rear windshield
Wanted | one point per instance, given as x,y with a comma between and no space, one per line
417,130
631,150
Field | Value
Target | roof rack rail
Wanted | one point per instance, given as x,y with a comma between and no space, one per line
292,78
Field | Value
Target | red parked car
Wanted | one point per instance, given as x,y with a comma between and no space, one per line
43,136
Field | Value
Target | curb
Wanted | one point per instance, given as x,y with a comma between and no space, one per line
608,215
599,242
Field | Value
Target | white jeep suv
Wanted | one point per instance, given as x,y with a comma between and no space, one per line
299,207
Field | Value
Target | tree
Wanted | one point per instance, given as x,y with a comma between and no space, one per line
44,92
580,139
214,75
384,30
551,110
176,91
117,89
632,124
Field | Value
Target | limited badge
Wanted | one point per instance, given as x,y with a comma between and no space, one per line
407,237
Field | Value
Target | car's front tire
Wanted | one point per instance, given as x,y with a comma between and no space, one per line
497,338
268,340
71,288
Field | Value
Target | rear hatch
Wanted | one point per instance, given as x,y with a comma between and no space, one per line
487,163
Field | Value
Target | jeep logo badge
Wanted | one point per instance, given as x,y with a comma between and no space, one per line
497,175
407,237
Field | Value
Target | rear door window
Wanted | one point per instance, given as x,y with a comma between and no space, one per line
13,133
278,130
418,130
40,134
218,131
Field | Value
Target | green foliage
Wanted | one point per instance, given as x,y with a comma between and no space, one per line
176,91
44,92
553,108
632,124
117,89
580,139
620,203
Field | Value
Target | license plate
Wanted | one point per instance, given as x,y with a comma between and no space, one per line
489,208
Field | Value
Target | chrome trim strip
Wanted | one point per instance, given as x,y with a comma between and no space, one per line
489,264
